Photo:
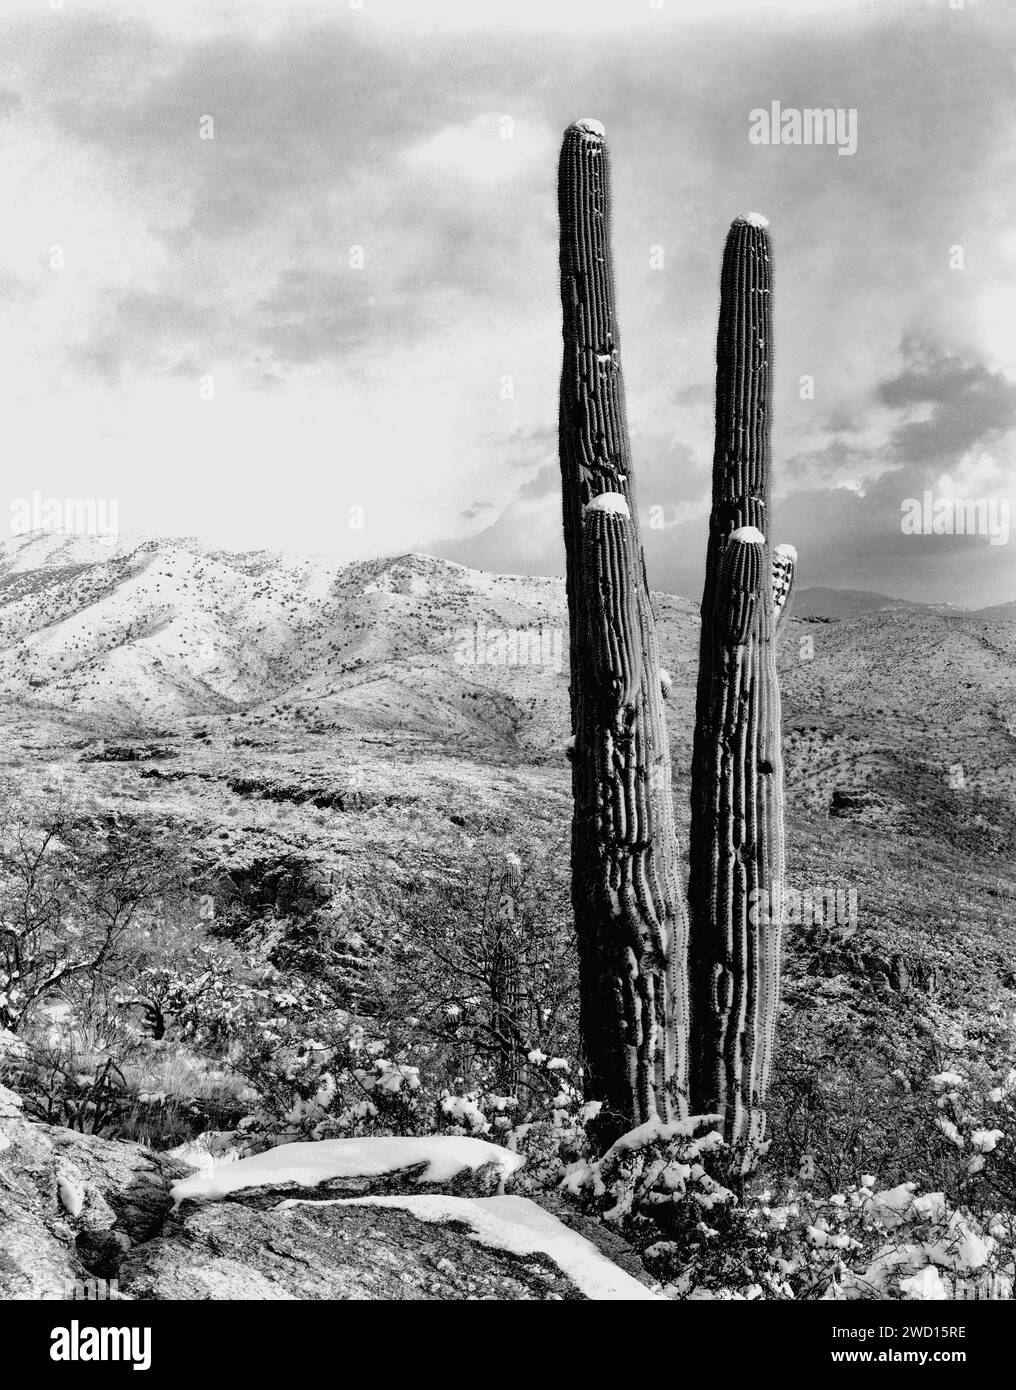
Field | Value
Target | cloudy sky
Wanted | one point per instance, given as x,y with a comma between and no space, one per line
316,310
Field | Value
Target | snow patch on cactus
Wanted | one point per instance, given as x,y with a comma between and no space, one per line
589,126
666,683
613,503
755,219
748,535
786,552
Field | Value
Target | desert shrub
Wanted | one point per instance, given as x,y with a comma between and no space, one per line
481,987
667,1189
862,1094
119,1096
65,1086
75,890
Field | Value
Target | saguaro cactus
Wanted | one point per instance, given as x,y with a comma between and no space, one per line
506,977
629,907
634,951
737,842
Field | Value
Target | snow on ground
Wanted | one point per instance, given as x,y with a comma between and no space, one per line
309,1164
521,1227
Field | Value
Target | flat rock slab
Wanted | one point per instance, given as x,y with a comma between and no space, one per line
329,1251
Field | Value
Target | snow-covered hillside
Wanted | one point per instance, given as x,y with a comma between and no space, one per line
167,629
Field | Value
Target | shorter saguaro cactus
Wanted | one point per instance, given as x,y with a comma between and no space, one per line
737,858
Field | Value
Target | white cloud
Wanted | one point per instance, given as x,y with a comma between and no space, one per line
493,148
980,472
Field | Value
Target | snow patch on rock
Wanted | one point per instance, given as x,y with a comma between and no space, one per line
72,1197
521,1227
310,1164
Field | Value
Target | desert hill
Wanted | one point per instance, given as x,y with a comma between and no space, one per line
819,602
432,655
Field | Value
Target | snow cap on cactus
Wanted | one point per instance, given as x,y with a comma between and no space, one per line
753,219
613,503
748,535
786,552
589,126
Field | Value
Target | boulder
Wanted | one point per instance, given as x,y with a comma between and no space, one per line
71,1205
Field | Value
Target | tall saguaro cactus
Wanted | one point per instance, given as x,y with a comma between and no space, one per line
629,906
737,841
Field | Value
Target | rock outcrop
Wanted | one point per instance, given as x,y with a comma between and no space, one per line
72,1205
76,1208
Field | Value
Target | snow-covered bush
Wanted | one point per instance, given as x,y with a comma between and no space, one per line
77,890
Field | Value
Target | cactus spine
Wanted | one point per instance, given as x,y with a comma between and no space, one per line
737,840
629,906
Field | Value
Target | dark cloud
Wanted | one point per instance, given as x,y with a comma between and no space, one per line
546,480
522,446
967,404
842,533
155,330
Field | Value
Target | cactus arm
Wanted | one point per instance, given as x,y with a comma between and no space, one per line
630,915
612,603
739,590
784,580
